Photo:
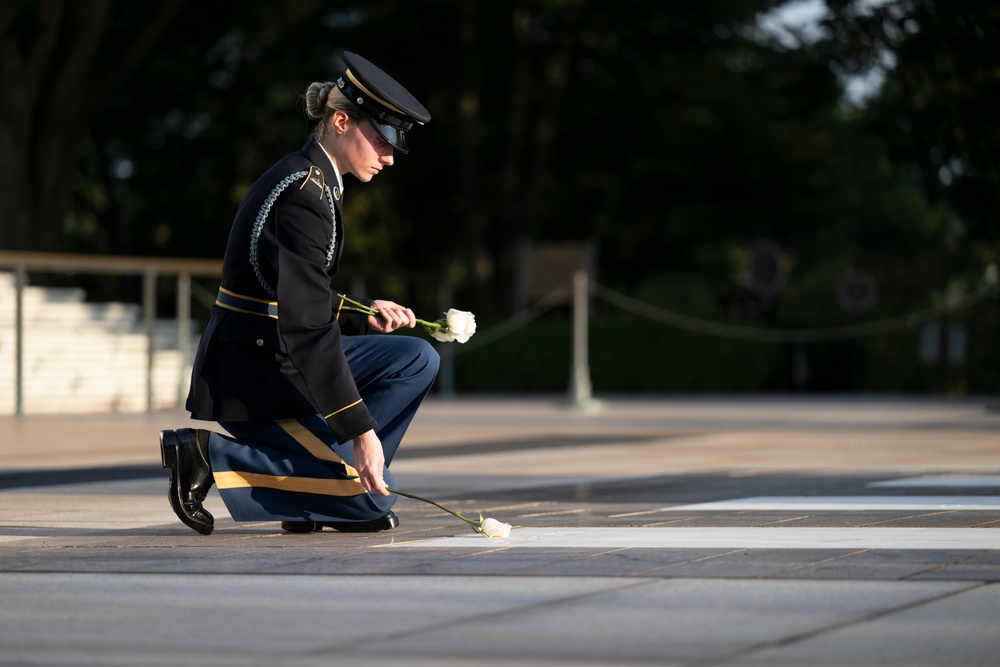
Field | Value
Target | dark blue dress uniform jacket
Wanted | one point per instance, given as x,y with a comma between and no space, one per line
253,367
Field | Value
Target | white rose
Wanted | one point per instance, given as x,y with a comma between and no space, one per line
494,528
441,335
461,324
459,327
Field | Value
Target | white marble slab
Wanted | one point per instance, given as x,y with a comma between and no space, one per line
725,538
845,503
942,482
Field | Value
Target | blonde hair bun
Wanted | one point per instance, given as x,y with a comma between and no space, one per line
317,95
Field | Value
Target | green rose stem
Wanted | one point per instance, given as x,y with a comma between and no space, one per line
358,307
475,524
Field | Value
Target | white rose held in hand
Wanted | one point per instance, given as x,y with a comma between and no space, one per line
458,326
461,324
493,528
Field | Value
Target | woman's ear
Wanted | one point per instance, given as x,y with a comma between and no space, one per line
339,122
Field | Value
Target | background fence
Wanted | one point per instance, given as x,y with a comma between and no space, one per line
62,353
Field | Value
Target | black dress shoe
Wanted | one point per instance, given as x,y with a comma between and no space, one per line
301,527
185,455
387,522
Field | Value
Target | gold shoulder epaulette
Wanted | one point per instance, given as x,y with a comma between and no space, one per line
315,176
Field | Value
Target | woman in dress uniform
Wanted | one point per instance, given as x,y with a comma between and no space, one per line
315,409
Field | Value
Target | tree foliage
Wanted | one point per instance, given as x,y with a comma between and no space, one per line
59,63
673,135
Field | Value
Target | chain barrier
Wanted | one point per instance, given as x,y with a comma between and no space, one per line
722,329
509,326
806,335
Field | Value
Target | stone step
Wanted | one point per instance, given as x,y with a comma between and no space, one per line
86,344
79,389
109,315
81,357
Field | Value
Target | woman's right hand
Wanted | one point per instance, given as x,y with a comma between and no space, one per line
369,460
391,316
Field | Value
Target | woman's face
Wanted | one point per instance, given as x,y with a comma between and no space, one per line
363,152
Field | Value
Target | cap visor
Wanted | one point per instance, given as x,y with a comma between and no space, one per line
394,136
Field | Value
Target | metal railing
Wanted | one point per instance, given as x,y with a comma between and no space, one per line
149,268
578,293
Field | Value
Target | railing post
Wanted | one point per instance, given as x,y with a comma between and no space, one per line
183,331
580,393
446,374
20,280
149,315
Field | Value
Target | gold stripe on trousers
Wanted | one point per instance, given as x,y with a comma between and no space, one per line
232,479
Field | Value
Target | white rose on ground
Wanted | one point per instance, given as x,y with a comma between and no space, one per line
494,528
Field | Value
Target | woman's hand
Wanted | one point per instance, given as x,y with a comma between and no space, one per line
369,461
391,316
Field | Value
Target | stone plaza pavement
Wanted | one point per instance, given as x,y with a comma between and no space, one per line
656,531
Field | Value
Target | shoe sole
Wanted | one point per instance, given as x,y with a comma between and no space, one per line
168,456
306,527
387,522
376,526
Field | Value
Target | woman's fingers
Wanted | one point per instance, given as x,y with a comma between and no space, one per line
393,316
369,461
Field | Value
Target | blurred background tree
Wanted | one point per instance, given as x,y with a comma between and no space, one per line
853,137
59,63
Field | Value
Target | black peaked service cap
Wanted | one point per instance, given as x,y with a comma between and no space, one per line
391,108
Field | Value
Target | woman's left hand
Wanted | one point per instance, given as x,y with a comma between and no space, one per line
391,316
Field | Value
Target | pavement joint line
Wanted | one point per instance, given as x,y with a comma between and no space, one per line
823,561
579,510
690,561
476,619
619,516
790,519
923,515
528,569
680,519
939,567
984,524
832,627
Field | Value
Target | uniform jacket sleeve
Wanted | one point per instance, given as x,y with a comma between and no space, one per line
351,323
309,328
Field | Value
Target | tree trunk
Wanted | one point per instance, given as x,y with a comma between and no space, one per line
52,82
